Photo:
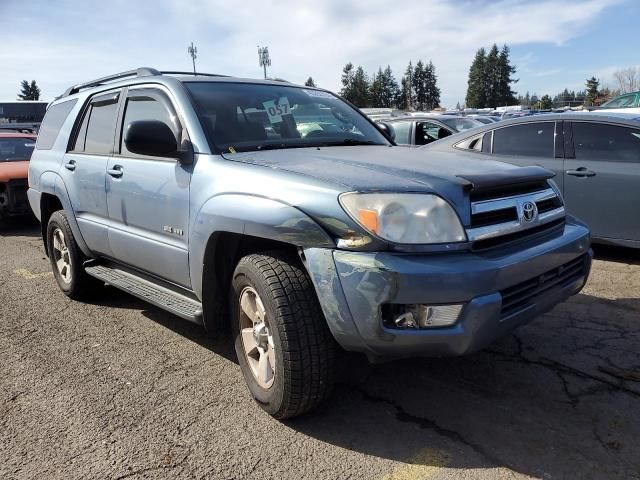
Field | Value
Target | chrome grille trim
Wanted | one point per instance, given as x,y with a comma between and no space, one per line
517,202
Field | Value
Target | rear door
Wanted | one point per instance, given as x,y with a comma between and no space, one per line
148,197
602,179
84,166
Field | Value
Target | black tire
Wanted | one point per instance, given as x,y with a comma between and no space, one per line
79,285
305,350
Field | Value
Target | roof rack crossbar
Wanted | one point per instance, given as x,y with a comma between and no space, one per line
193,74
138,72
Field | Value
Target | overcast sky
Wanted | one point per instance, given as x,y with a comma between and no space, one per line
554,43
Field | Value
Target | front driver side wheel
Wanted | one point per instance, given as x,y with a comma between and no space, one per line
284,347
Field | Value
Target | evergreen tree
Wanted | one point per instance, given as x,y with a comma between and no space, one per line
458,107
592,90
476,85
492,73
360,89
376,89
30,91
419,85
310,82
390,90
545,103
504,93
406,98
431,87
347,82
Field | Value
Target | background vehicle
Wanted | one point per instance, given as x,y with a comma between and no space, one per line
15,152
22,113
421,130
200,194
596,158
627,103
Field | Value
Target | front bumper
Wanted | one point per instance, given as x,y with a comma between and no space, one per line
13,198
353,286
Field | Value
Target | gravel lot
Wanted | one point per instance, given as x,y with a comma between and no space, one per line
119,389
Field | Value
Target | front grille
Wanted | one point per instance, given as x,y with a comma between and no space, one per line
523,295
548,204
545,230
483,219
502,219
17,200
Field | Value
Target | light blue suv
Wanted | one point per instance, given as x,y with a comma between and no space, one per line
283,213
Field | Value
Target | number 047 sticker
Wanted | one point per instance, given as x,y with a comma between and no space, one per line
276,111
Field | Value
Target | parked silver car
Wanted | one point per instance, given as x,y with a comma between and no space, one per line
596,158
422,130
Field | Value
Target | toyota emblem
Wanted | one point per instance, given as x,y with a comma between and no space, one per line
529,211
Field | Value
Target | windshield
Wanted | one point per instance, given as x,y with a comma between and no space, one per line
240,117
461,124
13,149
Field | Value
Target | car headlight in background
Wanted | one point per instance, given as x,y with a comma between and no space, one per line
405,218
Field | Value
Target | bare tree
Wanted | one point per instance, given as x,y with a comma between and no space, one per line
628,79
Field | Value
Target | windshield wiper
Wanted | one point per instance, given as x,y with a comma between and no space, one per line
352,141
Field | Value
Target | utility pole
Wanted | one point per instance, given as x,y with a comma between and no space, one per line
263,59
193,52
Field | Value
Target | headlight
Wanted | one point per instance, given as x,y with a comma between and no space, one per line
405,217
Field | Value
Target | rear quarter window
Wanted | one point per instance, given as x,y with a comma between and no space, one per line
52,123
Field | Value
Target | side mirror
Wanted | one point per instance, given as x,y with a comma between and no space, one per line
388,130
151,137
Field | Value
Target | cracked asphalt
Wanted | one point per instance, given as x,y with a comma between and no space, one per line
119,389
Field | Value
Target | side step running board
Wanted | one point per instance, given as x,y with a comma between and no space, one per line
162,297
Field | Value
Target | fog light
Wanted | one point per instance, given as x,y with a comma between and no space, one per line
427,316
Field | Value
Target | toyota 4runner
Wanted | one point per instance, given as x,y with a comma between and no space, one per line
283,213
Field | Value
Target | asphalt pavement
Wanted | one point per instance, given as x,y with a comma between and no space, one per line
116,388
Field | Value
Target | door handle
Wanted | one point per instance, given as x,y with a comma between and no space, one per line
70,165
116,171
581,172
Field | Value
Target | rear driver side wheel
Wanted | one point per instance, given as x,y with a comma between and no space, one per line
284,346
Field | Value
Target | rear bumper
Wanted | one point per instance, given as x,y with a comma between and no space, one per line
353,287
13,198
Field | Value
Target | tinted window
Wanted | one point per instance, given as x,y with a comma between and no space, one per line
621,102
101,127
530,139
597,141
243,117
144,107
13,149
403,130
52,123
461,124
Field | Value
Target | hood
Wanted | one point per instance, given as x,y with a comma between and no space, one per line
379,168
13,170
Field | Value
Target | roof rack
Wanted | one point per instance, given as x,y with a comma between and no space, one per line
138,72
198,74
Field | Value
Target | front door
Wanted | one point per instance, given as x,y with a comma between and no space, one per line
84,166
148,197
602,176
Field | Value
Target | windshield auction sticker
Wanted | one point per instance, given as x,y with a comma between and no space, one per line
277,110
